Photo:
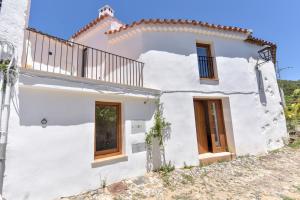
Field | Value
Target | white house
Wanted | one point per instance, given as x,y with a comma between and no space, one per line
81,108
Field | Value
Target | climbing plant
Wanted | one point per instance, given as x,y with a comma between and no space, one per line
159,127
3,65
3,70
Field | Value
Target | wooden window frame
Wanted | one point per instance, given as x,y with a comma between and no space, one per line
209,54
115,151
208,46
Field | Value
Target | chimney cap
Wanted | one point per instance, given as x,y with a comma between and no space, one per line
106,10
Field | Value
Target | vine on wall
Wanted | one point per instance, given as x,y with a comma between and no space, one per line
160,127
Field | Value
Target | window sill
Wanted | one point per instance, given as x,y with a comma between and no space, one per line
210,81
98,162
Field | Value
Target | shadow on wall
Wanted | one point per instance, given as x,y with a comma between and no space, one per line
261,87
65,108
57,107
183,43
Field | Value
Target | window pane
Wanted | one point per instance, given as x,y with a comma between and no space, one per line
205,62
215,124
106,127
202,51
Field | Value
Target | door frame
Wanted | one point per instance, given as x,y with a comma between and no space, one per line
221,121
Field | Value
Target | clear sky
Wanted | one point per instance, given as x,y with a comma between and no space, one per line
274,20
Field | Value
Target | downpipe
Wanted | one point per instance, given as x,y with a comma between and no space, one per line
7,82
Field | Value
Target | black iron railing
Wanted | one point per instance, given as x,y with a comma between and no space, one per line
206,67
51,54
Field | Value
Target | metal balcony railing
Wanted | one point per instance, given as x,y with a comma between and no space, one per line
206,67
47,53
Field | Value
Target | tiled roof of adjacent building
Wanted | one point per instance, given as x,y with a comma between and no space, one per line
91,24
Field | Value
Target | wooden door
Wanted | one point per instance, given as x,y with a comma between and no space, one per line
217,128
201,128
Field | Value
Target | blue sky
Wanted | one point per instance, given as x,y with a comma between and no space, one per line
274,20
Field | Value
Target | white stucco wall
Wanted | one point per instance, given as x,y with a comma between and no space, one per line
255,121
45,163
14,16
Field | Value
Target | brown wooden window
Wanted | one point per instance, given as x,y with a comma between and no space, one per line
205,61
107,129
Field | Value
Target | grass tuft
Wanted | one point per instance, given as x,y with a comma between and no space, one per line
295,144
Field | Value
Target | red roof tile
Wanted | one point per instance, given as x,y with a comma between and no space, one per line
261,42
90,25
180,21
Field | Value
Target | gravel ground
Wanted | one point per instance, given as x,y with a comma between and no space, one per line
274,176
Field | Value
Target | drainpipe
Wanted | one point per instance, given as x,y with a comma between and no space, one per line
7,52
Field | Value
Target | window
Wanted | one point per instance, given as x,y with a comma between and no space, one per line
0,4
107,129
205,61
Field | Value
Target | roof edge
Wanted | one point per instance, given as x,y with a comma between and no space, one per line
262,42
93,23
183,22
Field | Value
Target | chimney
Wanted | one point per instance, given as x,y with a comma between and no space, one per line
106,10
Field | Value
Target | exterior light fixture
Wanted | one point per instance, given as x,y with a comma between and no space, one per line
265,53
44,122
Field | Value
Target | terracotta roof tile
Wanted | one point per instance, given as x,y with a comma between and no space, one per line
180,21
261,42
90,25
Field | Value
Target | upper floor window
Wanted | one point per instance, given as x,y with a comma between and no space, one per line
0,4
205,61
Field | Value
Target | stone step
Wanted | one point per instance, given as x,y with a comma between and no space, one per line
209,158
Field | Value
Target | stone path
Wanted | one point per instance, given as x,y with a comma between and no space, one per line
274,176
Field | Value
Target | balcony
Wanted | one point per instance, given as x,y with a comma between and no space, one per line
46,53
206,67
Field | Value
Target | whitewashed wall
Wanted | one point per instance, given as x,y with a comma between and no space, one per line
255,122
57,160
14,16
51,55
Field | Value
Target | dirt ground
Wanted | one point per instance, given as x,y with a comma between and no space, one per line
273,176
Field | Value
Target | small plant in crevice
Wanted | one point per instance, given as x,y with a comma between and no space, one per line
103,183
185,166
165,169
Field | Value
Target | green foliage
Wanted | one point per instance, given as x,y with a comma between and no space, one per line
159,127
3,65
292,98
283,197
187,178
185,166
3,69
288,87
165,169
295,144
